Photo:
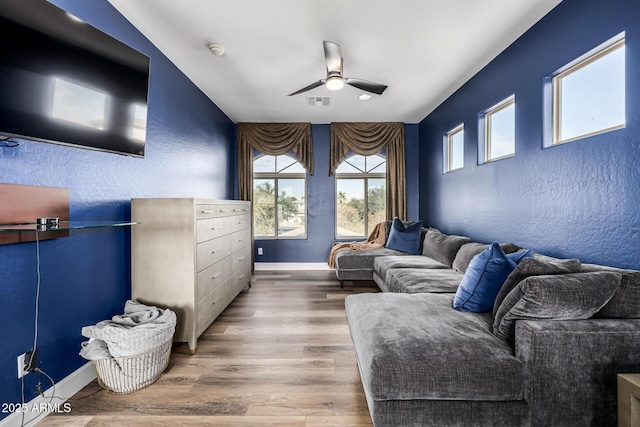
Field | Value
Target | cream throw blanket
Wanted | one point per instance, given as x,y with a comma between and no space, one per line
375,240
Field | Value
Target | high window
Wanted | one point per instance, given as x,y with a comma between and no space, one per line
360,195
498,130
589,94
454,149
279,197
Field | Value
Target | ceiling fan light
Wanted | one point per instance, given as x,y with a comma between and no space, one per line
335,83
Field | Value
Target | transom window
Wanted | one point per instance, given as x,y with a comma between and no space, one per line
589,94
454,149
500,130
279,197
361,198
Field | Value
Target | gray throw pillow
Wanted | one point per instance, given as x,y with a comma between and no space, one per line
563,297
625,304
469,250
535,267
442,247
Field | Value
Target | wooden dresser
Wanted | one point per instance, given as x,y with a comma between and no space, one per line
191,255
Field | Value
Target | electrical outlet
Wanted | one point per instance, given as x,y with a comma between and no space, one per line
21,370
260,251
27,363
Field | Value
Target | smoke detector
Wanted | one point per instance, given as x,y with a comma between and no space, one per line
216,49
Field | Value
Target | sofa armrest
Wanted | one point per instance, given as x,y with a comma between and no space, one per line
571,366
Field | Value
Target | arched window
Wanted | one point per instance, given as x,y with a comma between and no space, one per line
360,195
279,197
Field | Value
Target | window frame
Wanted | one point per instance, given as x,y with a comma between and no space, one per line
448,146
276,176
555,83
485,129
362,176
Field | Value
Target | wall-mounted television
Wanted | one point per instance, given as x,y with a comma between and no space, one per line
66,82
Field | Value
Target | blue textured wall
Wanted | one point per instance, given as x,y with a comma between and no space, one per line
86,277
580,199
321,212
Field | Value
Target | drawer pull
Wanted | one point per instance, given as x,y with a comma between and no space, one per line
241,258
215,276
208,211
214,228
213,252
239,240
241,277
236,210
245,209
241,222
224,210
216,300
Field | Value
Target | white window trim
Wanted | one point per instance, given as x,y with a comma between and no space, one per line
446,149
283,175
553,86
556,82
355,175
484,130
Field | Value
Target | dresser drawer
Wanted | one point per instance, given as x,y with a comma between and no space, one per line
207,229
240,257
212,277
211,251
206,211
237,208
238,281
210,307
240,239
239,222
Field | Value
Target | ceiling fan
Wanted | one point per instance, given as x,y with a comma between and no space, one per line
335,80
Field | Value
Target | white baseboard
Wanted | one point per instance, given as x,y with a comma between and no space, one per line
39,407
280,266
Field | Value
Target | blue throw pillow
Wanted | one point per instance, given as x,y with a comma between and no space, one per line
484,277
405,238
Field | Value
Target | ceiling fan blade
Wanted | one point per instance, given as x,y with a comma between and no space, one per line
311,86
368,86
332,57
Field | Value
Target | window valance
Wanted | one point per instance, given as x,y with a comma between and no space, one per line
371,138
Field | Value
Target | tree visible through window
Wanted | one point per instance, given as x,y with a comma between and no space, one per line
360,195
279,197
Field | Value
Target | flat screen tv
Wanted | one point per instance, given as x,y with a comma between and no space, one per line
66,82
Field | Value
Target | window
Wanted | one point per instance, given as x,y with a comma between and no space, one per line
589,94
498,130
279,197
361,197
454,149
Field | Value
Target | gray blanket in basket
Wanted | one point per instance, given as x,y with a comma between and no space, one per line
139,329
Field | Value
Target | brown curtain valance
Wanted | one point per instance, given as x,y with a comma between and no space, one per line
272,139
370,138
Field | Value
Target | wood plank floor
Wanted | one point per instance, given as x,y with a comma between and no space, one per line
279,355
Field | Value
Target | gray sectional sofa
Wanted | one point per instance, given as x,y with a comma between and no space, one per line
547,355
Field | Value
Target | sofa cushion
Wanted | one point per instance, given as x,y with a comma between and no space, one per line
383,264
483,279
404,238
536,266
560,297
420,280
418,347
442,247
625,303
358,265
469,250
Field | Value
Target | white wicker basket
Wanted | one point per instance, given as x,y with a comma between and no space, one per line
127,374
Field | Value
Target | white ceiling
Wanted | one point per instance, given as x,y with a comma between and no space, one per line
424,50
